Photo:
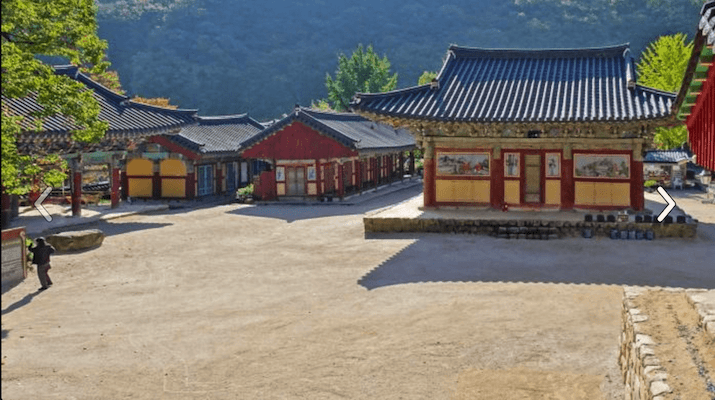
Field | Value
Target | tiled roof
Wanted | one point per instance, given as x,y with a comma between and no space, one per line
700,62
217,134
706,25
349,129
666,156
487,85
125,117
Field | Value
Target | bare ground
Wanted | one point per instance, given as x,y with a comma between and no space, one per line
241,302
685,350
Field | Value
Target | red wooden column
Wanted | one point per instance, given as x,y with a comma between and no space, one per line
390,167
637,198
34,193
116,177
430,190
219,179
6,209
156,180
496,186
190,188
376,171
341,181
318,180
125,185
402,165
567,182
358,175
77,191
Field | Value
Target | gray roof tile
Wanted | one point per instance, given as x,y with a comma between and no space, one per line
488,85
125,117
218,134
349,129
666,156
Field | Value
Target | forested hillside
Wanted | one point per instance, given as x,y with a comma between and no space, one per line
263,57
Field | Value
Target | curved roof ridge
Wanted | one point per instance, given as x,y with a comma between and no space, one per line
313,112
73,72
229,119
221,117
325,127
395,91
187,111
604,51
654,90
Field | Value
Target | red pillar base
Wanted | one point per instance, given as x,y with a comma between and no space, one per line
76,194
115,187
430,194
567,185
190,185
637,199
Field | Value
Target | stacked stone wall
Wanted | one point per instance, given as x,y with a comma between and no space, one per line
524,229
643,374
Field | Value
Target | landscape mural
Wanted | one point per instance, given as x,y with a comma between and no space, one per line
466,164
602,166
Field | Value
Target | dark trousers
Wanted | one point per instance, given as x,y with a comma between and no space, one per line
45,280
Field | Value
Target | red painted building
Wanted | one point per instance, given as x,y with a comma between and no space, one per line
529,129
317,154
200,160
696,99
129,123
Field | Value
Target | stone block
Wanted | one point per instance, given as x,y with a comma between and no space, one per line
76,240
659,387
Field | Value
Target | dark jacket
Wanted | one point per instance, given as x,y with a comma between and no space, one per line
41,254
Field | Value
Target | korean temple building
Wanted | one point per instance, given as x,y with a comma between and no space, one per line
532,129
199,160
696,100
152,152
317,154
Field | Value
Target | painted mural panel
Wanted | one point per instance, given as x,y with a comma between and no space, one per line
553,165
280,174
462,164
603,166
511,164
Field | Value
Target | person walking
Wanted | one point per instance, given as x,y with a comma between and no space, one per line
41,257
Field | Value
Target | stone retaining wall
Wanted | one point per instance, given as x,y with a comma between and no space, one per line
706,311
522,229
644,376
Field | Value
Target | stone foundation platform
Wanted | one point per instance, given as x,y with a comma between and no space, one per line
543,225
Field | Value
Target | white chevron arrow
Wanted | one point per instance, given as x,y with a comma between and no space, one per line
669,207
38,204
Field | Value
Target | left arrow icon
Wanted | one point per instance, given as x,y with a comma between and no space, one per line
40,207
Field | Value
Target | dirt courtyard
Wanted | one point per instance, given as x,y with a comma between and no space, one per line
285,302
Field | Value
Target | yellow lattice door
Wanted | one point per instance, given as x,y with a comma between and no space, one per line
532,189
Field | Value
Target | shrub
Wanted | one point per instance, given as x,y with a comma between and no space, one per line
246,191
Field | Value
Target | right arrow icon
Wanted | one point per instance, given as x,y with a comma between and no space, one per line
669,207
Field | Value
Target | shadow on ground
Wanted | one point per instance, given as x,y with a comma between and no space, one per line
686,263
20,303
292,212
110,228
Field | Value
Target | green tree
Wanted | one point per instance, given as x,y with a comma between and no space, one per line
662,66
60,28
363,72
321,105
426,77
